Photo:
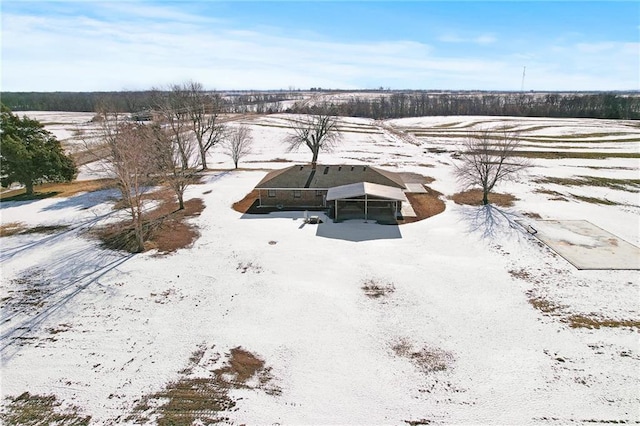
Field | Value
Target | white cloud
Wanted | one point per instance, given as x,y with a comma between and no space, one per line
479,39
151,48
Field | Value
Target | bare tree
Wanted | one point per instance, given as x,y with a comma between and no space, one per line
203,110
122,150
175,159
175,150
318,132
489,158
238,144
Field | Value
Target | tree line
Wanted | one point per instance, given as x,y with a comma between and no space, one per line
375,104
170,148
421,104
136,101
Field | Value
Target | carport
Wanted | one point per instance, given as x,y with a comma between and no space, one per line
365,200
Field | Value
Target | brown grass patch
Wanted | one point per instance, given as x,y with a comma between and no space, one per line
204,399
165,228
532,215
473,197
545,306
273,160
28,292
374,289
243,205
418,422
173,232
12,228
242,365
50,229
18,228
558,155
427,359
66,189
594,321
595,200
27,409
425,205
555,195
630,185
589,321
521,274
86,156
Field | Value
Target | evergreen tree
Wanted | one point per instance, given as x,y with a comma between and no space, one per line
29,154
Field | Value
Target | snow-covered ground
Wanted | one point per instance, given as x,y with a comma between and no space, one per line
486,301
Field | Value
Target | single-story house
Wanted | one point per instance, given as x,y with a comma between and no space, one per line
348,191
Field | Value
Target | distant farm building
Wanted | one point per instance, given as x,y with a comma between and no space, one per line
347,191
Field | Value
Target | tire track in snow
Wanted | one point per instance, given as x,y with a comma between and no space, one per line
74,270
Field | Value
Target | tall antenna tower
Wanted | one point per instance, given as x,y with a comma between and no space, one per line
524,70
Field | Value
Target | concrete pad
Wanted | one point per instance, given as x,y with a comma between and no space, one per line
585,245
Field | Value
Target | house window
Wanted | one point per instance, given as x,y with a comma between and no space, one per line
319,193
271,193
297,193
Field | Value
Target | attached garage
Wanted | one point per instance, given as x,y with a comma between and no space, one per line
366,200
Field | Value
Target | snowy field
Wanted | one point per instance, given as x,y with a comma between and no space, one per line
460,318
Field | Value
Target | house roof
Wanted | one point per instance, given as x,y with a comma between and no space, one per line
361,189
325,177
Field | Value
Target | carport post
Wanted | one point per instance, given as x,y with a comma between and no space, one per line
366,203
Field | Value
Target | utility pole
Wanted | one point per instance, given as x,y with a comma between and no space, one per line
524,70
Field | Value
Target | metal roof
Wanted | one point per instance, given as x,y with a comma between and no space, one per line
361,189
324,177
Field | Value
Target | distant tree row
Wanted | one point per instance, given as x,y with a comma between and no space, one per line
132,102
420,104
377,105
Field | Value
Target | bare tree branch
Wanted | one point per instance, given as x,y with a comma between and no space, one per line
175,159
316,132
487,159
238,143
203,110
122,149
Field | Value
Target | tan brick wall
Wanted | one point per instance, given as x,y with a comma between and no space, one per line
285,197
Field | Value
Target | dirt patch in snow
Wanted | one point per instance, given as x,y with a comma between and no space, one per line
427,359
17,228
27,293
596,321
66,189
595,200
554,195
630,185
27,409
165,228
13,228
243,205
425,205
575,320
245,267
202,393
418,422
473,197
375,289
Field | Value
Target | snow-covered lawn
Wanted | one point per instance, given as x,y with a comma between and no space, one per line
460,318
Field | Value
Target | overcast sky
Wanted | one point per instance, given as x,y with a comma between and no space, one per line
134,45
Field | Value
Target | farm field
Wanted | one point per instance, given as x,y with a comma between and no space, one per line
464,317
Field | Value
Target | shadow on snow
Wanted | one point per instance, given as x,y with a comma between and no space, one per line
356,230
